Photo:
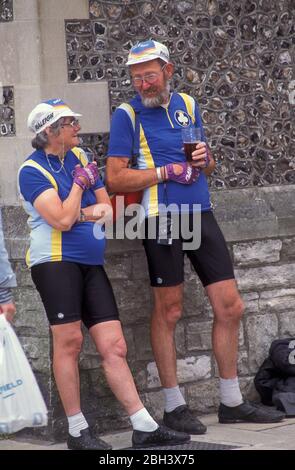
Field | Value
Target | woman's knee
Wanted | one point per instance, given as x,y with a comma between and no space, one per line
70,344
114,349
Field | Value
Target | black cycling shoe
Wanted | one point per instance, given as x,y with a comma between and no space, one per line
182,419
248,413
86,442
160,437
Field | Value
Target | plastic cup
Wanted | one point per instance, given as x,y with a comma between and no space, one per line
191,136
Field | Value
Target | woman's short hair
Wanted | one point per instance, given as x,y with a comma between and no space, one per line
40,141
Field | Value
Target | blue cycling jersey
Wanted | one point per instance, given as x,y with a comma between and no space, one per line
160,143
81,244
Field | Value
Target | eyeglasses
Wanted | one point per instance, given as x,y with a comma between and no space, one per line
72,123
149,78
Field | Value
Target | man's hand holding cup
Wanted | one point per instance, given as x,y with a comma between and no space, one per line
195,150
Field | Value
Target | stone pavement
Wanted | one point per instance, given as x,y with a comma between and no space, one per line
279,436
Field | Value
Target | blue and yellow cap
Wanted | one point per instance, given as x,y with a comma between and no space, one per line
147,50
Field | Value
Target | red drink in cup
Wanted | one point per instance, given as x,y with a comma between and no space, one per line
191,136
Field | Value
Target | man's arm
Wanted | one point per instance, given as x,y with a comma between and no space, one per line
121,178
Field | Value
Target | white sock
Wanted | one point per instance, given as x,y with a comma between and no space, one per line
173,398
230,393
76,424
142,421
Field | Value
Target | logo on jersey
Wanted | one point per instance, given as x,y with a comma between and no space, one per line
182,118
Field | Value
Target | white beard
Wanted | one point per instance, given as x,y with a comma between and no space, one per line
156,101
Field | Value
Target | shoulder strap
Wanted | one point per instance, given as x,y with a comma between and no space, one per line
39,167
190,105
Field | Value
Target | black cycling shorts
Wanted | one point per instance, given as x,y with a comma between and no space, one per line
74,291
211,260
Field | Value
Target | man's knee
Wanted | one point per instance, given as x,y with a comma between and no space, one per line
170,312
233,309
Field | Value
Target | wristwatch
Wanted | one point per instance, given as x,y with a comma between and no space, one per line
82,217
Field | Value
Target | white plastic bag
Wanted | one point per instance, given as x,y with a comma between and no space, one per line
21,402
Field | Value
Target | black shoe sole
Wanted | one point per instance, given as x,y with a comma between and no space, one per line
233,421
196,433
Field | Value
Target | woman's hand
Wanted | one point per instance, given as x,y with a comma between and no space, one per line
86,176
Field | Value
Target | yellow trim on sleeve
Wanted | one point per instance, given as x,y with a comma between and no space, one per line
46,173
130,111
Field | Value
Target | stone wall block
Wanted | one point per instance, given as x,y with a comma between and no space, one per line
257,252
250,300
274,293
194,298
118,267
23,275
287,324
31,323
154,401
277,304
188,369
142,342
18,248
198,335
243,364
262,278
288,249
37,351
203,397
133,299
140,267
261,331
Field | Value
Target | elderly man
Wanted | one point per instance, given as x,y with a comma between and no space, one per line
167,178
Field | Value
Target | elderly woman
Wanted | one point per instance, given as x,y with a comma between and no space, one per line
63,195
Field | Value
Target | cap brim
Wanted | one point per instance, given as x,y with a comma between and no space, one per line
66,113
145,59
